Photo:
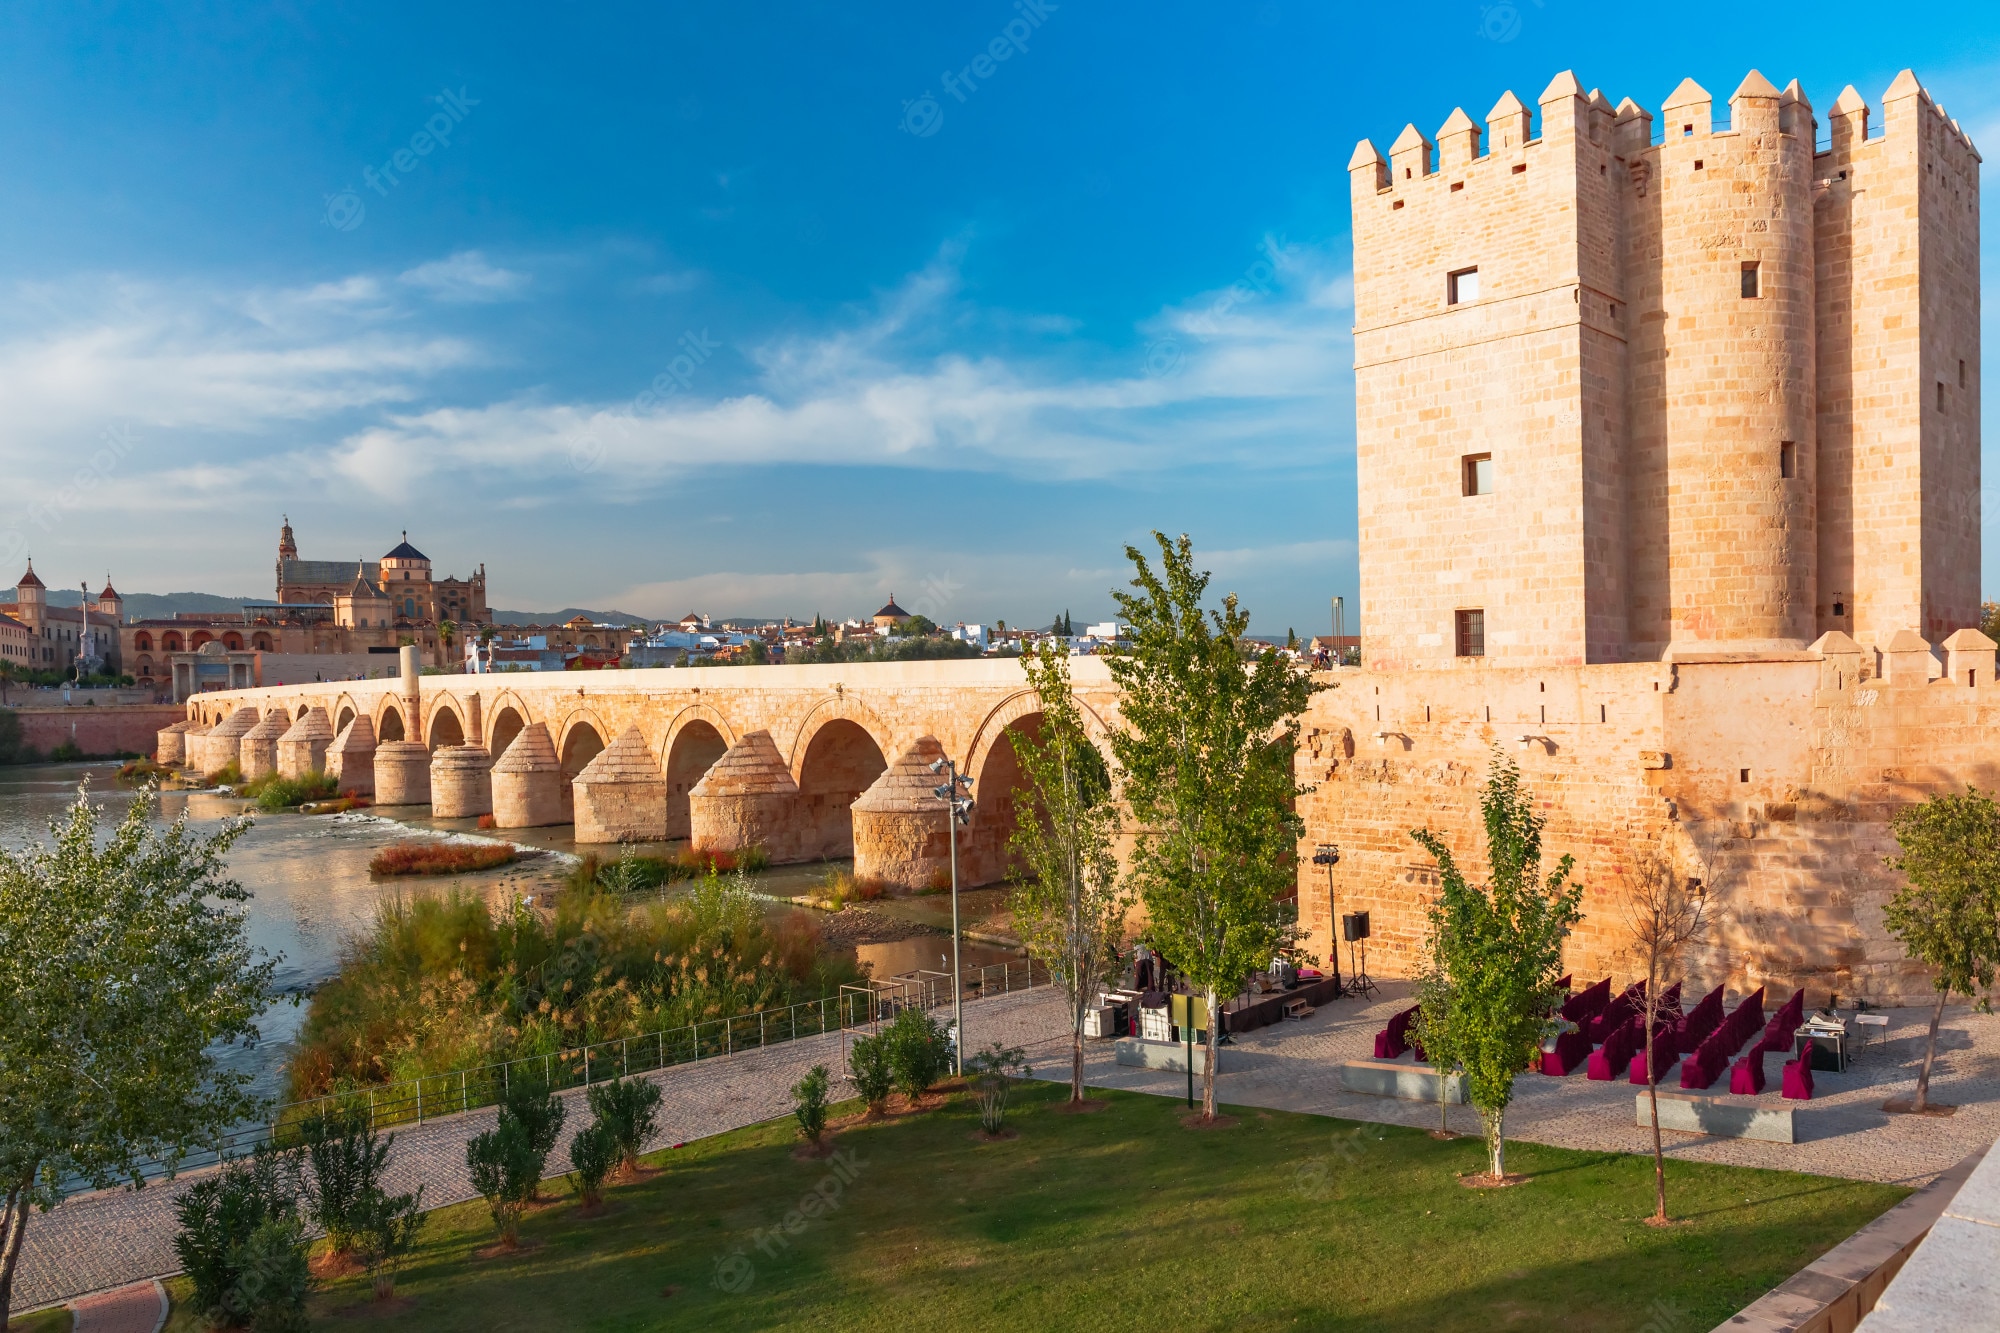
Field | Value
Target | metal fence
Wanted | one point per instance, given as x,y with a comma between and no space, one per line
435,1096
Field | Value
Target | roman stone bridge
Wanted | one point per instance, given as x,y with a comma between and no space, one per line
806,762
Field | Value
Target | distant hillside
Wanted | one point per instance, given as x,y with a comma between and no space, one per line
150,605
567,613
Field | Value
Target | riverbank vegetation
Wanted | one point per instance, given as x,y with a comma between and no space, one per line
638,873
446,982
275,793
440,858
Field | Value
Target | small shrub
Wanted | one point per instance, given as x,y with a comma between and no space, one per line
68,752
341,1162
503,1166
841,887
992,1074
629,1109
229,775
868,1066
386,1231
139,771
439,858
940,881
235,1227
276,793
918,1052
486,821
723,860
593,1152
809,1097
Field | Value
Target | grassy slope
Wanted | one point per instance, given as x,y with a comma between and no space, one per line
47,1321
1123,1219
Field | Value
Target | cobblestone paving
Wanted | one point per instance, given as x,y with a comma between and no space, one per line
103,1240
138,1308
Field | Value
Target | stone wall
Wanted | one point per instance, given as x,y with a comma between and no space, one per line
132,729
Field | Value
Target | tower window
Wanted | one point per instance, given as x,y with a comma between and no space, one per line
1461,286
1750,280
1961,374
1940,395
1471,636
1477,474
1788,463
1687,131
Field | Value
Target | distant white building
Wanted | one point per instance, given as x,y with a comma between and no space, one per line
1107,630
975,634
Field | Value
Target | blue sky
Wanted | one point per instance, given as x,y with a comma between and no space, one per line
745,308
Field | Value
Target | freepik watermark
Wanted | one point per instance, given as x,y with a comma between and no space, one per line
1163,356
1501,22
736,1270
346,209
924,116
586,450
1311,1177
50,508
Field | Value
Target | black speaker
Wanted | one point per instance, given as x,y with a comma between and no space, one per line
1354,926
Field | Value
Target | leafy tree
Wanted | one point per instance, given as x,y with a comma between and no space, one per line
868,1067
1666,914
629,1107
918,627
1948,916
755,653
593,1151
1501,948
919,1052
386,1230
540,1113
1432,1027
125,969
1989,620
13,749
1070,910
341,1159
504,1170
993,1073
10,672
1206,759
241,1245
809,1097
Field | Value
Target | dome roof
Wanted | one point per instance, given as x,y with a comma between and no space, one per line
405,551
892,610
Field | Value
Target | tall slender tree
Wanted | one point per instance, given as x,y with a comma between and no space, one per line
1210,722
1070,911
1501,948
1666,912
1948,916
125,968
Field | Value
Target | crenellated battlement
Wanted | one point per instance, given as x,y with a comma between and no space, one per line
1727,377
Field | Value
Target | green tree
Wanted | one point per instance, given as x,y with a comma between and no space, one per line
387,1226
917,627
1432,1028
10,672
593,1151
1666,912
919,1052
218,1218
1205,755
1500,949
125,970
868,1067
1948,916
541,1113
1070,910
1989,620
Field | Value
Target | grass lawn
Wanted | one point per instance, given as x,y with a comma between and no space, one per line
1124,1219
47,1321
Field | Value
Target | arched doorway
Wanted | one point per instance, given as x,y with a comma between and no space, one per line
171,643
391,728
697,746
445,729
507,724
841,762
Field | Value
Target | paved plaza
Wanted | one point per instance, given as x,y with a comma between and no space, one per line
106,1240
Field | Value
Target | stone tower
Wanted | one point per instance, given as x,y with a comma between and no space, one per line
1620,400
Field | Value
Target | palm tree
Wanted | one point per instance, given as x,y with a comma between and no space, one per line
447,631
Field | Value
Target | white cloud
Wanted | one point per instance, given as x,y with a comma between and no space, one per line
466,277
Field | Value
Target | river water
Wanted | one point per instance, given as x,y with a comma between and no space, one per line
312,893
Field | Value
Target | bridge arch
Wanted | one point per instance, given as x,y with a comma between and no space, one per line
388,722
343,713
510,715
837,757
444,727
997,774
697,737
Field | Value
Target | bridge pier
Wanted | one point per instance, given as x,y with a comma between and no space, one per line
527,781
901,836
748,799
302,749
171,747
621,795
461,782
402,774
350,760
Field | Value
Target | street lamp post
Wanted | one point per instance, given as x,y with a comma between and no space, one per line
958,811
1328,855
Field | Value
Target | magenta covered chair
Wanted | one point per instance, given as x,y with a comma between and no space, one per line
1572,1049
1393,1040
1587,1003
1798,1083
1665,1051
1746,1076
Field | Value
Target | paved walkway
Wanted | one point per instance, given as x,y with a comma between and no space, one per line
101,1241
138,1308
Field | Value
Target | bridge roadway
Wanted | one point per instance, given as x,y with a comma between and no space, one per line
803,743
